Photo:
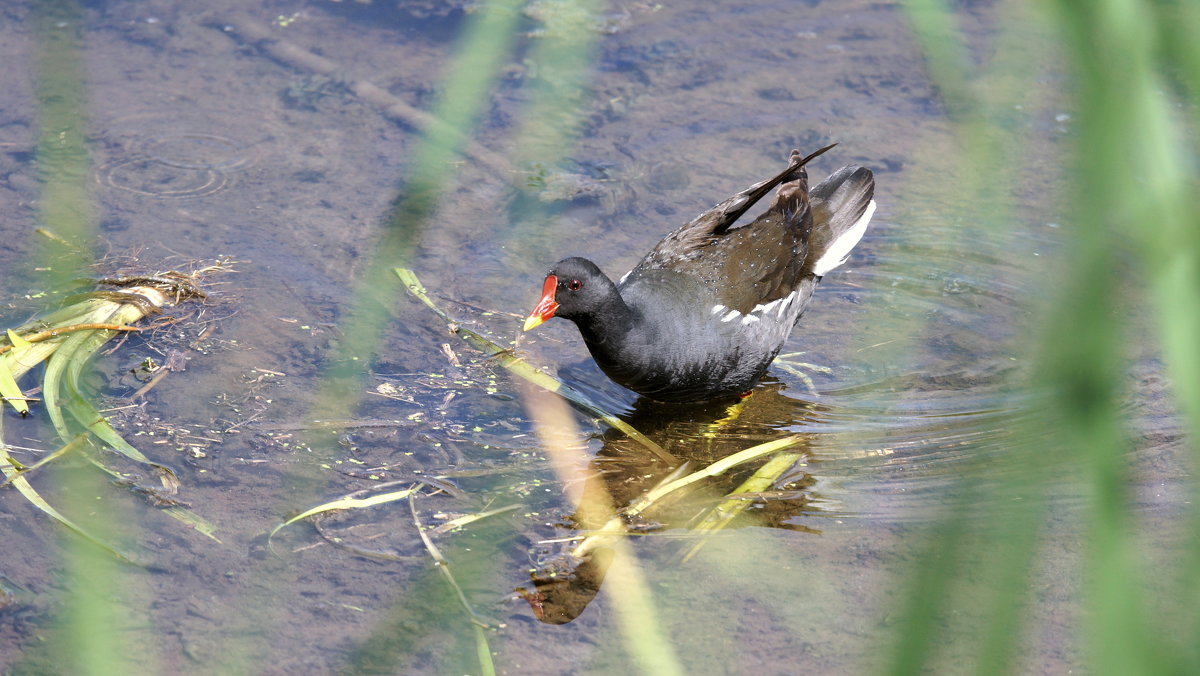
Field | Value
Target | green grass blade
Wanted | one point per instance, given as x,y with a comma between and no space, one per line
23,486
177,512
468,519
443,567
52,383
61,391
67,448
483,651
615,527
21,483
9,389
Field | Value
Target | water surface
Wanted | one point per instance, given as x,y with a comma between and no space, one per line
203,145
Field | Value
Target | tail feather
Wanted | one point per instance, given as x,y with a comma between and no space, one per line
842,207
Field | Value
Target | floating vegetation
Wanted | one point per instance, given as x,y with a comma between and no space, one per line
369,498
64,341
742,497
352,501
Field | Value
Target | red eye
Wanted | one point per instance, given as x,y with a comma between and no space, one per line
574,285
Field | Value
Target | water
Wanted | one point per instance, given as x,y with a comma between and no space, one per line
204,146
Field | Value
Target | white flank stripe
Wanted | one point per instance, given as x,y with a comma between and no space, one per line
839,249
765,308
718,309
623,278
786,301
749,319
730,316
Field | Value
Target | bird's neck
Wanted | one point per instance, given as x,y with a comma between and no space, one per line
609,326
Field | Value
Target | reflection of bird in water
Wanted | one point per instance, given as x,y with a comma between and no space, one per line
698,434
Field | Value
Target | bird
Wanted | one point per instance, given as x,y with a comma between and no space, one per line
702,316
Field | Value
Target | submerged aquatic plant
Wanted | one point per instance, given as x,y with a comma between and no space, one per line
65,341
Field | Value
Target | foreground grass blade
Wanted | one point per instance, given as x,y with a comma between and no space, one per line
522,369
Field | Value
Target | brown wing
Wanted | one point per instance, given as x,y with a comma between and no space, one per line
712,225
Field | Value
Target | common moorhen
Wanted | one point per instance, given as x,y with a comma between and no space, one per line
703,315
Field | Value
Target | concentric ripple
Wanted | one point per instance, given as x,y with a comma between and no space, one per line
169,157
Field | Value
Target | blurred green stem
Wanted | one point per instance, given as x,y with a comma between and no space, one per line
62,158
1136,185
1134,182
95,601
482,52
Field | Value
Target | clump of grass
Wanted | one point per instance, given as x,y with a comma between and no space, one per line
65,341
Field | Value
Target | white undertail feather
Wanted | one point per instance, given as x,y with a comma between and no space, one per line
839,249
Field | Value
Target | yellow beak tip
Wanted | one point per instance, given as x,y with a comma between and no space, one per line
532,322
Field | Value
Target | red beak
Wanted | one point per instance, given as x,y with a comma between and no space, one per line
546,306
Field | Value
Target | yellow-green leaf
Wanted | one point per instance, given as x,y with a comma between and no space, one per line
16,340
348,503
10,390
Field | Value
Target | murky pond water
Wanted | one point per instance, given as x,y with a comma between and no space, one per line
207,142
